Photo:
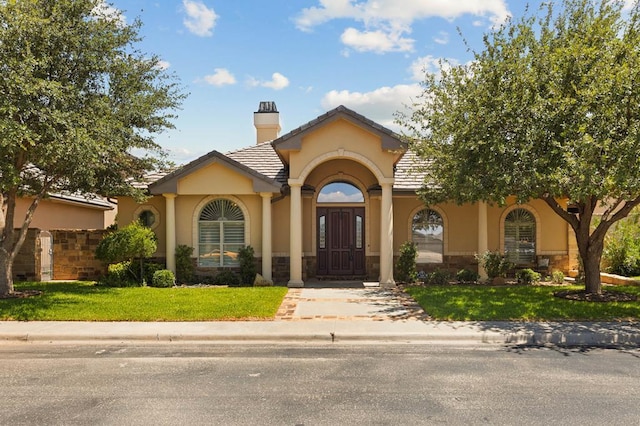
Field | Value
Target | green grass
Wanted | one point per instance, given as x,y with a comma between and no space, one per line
83,301
525,303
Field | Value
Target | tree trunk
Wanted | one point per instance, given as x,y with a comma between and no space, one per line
6,272
590,249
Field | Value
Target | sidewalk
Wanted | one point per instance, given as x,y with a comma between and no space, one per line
334,315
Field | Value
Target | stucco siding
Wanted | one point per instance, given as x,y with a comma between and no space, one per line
215,179
51,214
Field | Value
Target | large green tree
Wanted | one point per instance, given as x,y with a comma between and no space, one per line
548,109
76,98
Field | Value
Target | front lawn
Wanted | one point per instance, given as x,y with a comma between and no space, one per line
83,301
525,303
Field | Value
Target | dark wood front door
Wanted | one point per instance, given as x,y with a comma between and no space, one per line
341,241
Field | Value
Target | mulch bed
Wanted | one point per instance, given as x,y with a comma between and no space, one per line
21,294
605,296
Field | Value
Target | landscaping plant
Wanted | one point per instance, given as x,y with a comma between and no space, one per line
406,266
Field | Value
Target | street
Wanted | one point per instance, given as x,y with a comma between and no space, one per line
316,384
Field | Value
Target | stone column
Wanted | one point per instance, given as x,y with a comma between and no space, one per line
266,235
483,235
295,238
170,221
386,235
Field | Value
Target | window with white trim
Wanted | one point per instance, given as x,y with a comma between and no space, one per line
427,232
220,233
520,237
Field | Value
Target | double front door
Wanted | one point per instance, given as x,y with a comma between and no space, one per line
340,241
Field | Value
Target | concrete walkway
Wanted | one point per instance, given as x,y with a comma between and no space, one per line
333,315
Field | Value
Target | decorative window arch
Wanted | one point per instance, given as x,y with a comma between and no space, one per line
427,232
148,215
340,192
520,236
220,233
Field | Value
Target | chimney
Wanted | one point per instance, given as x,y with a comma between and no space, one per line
267,122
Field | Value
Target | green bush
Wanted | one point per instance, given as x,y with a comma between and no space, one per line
227,277
557,277
247,265
120,275
439,277
163,278
134,241
494,264
621,254
149,269
406,266
466,276
185,269
528,276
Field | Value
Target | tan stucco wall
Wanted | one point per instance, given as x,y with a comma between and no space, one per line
127,207
51,214
461,226
215,179
336,136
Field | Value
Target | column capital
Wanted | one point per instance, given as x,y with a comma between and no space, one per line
266,194
386,182
169,195
295,183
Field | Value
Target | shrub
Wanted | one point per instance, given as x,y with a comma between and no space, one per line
227,277
621,254
439,277
528,276
247,265
557,277
184,266
132,241
407,263
495,264
149,269
119,275
467,276
163,278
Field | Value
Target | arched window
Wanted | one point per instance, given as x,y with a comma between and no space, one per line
427,231
220,233
340,192
520,237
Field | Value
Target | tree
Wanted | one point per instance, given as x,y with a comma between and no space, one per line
134,241
77,99
549,109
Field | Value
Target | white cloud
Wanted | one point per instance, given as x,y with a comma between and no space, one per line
200,19
163,65
221,77
277,82
386,22
430,64
379,105
104,10
339,197
376,41
442,38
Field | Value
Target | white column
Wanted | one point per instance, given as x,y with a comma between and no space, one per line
170,221
386,236
266,235
295,239
483,235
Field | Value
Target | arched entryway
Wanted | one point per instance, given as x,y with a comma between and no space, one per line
340,227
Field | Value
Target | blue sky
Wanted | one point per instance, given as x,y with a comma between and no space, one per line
309,56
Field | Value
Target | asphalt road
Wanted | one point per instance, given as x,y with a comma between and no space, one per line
320,384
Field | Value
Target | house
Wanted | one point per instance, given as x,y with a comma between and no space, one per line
334,198
62,237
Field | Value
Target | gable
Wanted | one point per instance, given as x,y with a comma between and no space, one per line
215,179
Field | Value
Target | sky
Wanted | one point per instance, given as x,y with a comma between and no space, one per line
308,56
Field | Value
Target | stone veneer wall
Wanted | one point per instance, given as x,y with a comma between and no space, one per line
26,266
74,254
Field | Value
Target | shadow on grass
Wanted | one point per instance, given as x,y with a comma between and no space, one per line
60,295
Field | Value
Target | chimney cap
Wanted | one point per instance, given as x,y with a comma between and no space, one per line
267,107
